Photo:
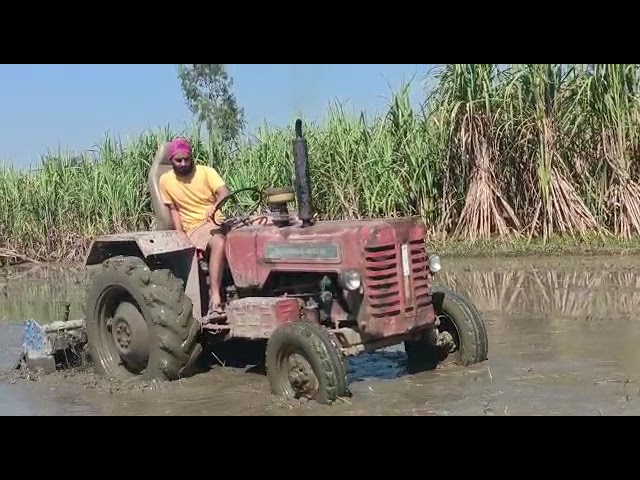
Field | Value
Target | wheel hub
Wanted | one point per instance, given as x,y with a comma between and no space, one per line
123,336
301,376
130,335
443,336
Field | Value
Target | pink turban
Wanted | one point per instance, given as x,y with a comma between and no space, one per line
179,145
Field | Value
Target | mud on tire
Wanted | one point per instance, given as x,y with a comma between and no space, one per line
315,352
461,319
173,334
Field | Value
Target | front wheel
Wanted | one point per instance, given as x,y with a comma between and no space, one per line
140,322
303,361
460,333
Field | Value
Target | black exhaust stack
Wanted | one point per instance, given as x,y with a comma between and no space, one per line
303,184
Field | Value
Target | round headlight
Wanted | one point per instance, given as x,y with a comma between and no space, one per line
351,280
434,263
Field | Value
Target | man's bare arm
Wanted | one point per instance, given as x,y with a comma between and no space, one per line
221,194
168,202
175,216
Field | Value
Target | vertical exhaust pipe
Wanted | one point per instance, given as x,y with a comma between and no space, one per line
303,184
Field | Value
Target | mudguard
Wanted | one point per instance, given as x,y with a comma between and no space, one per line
146,243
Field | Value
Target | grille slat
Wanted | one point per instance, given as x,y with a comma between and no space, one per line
384,293
386,312
383,283
377,266
376,255
386,306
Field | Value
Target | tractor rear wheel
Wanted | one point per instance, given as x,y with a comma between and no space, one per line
139,322
461,334
302,360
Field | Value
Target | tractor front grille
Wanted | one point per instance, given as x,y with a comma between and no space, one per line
389,291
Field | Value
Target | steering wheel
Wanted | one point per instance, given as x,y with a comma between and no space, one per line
234,221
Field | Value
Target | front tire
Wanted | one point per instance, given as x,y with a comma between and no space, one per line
302,360
461,334
139,322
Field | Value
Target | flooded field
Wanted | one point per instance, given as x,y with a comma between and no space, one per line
564,340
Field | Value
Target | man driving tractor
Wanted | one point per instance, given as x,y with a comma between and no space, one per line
192,193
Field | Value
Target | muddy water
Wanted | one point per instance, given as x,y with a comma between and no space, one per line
564,340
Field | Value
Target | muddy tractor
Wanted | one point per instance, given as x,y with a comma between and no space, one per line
314,292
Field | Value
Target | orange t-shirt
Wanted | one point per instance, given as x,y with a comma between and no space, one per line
193,197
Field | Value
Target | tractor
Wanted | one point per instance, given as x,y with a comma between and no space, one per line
315,292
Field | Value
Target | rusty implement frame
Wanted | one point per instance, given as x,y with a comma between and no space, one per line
52,346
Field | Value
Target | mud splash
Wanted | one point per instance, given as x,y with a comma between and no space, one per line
563,335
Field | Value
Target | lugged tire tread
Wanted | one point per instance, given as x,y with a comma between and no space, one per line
315,341
169,310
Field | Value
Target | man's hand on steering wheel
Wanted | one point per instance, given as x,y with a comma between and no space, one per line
229,223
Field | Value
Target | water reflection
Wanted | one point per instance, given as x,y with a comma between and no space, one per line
41,293
567,293
552,309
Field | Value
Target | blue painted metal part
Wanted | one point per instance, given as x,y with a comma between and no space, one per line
36,341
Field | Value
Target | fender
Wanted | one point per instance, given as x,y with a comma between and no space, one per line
154,243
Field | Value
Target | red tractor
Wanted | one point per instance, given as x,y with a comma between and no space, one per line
315,291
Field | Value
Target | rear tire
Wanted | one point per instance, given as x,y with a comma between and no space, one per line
302,360
462,321
156,336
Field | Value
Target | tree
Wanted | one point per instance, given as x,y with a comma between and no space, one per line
207,92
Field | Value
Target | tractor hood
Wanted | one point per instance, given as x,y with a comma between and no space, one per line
254,252
327,236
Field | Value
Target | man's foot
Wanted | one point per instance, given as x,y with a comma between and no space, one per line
215,311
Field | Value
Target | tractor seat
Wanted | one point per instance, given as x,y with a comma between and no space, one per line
159,165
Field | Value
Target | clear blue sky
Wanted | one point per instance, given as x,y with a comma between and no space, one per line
72,106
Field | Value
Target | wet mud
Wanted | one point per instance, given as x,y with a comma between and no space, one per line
564,340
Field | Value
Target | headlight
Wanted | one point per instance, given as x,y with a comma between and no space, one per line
351,280
434,263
